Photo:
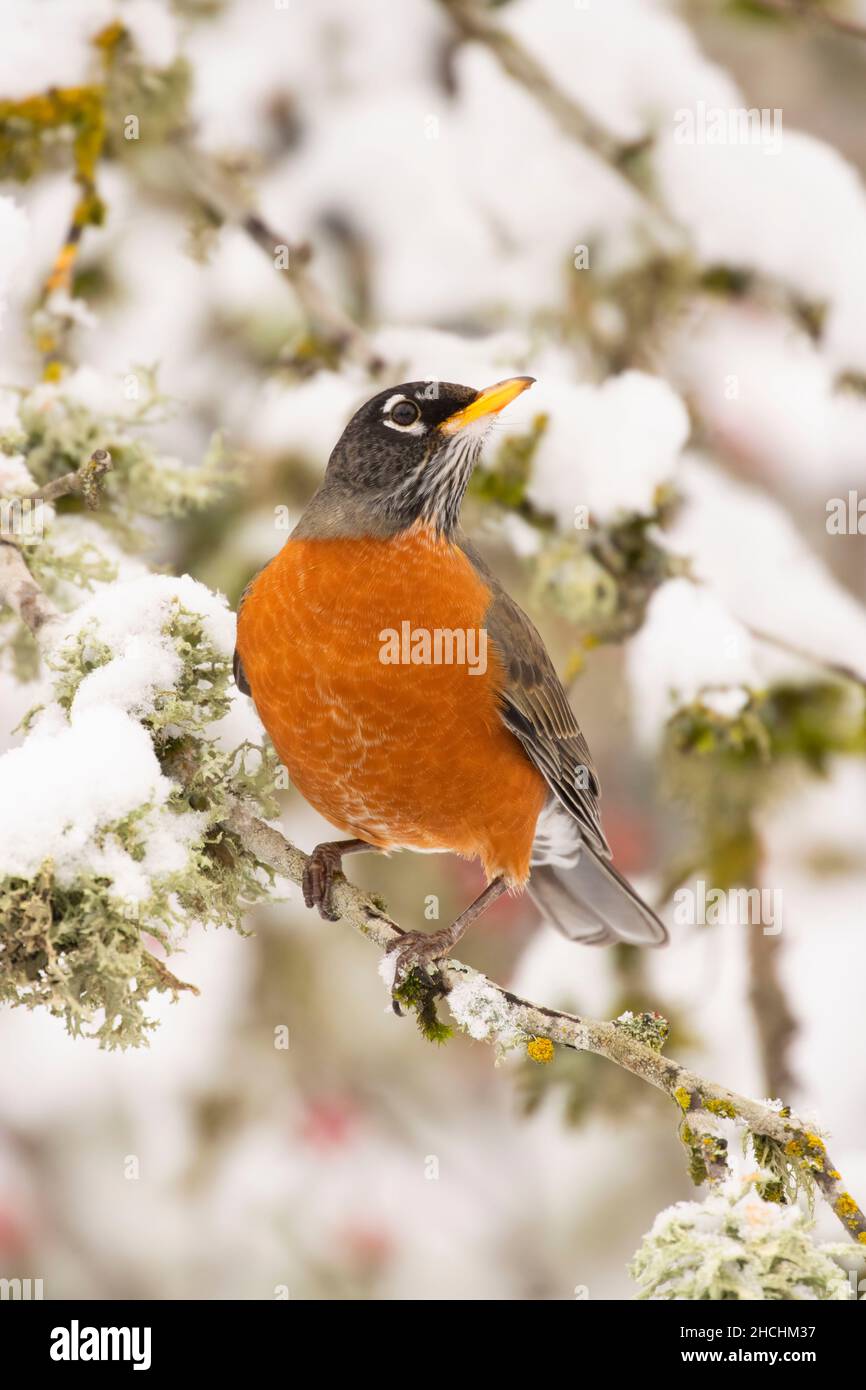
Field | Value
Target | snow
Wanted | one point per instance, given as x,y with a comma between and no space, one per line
49,44
565,197
154,30
523,538
100,392
388,971
305,420
482,1011
130,614
14,243
426,354
753,576
324,51
746,547
9,421
15,476
745,207
608,447
768,395
651,61
68,782
689,643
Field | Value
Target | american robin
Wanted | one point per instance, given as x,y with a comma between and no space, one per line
412,702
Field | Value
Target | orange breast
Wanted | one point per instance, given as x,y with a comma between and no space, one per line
389,746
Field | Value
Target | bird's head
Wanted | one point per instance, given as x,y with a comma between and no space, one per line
407,455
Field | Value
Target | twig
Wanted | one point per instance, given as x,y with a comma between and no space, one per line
699,1101
521,65
221,200
776,1025
171,981
18,589
837,668
824,663
87,480
479,24
20,592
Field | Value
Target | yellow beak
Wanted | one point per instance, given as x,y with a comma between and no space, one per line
488,402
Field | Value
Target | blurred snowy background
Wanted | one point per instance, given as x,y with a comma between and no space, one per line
692,308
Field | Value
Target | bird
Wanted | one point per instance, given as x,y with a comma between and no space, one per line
413,704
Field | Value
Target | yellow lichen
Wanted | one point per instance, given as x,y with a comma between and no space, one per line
721,1107
845,1206
683,1097
109,37
540,1049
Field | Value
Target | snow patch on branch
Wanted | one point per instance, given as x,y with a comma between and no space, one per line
131,620
689,646
482,1011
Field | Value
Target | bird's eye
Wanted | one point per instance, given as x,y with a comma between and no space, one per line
405,413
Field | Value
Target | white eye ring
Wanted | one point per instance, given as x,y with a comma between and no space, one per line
415,426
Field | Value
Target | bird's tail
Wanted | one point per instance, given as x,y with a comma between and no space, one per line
591,902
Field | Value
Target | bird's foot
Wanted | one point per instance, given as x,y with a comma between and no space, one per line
418,950
323,867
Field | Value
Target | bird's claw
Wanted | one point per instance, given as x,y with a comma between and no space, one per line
322,868
418,950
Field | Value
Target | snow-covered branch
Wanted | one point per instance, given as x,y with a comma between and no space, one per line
479,24
492,1014
223,202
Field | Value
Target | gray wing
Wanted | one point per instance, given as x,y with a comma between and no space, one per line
535,708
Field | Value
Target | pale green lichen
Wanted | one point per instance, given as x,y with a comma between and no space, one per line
649,1028
735,1245
59,432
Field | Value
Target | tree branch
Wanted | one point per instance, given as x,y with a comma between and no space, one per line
221,200
836,668
524,68
492,1014
20,592
18,589
480,25
87,480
